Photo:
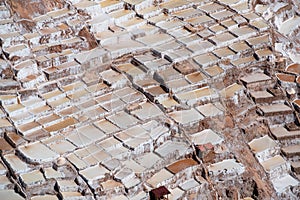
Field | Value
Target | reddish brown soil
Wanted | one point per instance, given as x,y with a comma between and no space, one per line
89,37
33,8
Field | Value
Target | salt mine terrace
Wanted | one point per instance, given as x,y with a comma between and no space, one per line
143,99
